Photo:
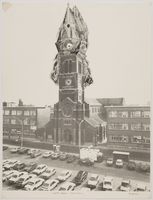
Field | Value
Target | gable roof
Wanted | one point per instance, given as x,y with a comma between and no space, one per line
111,101
95,121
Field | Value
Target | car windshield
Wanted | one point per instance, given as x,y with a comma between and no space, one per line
62,189
140,189
93,178
48,171
14,176
39,167
30,183
52,183
124,184
107,182
46,184
21,179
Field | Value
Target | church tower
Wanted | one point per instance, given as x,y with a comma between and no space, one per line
72,74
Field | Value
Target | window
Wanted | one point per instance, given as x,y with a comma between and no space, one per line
26,112
118,126
136,139
7,112
33,112
146,114
136,114
112,114
19,112
68,66
121,139
79,68
124,126
136,127
6,121
146,127
146,140
13,112
123,114
32,122
13,121
67,121
26,122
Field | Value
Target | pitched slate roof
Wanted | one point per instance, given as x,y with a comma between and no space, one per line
111,101
95,121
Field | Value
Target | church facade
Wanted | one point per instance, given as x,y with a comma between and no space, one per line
71,121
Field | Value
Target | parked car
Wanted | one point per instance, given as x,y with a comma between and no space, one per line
71,159
109,162
143,167
55,156
80,177
86,162
30,151
30,167
119,163
14,149
107,184
5,147
125,186
24,179
40,169
23,150
19,166
68,186
47,154
35,154
93,181
131,165
34,184
49,185
10,164
64,175
48,173
15,177
140,188
63,156
7,174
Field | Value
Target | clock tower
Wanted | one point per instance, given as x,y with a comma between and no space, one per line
72,74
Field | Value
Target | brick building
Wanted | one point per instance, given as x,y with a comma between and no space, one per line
26,117
128,126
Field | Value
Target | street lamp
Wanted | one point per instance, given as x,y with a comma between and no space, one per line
22,129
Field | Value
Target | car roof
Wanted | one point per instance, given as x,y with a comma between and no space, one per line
94,175
125,181
119,160
51,180
107,178
41,165
140,185
68,184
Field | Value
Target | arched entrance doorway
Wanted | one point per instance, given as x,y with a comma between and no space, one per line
68,137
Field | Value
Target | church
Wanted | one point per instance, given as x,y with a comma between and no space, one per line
73,121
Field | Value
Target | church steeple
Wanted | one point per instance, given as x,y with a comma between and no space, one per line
72,39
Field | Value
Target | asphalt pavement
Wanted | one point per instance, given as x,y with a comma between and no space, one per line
99,168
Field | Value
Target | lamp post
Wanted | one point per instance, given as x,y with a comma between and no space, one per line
80,131
22,130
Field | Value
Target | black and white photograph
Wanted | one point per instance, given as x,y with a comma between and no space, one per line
76,98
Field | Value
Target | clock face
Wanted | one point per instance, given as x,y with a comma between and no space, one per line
67,110
68,81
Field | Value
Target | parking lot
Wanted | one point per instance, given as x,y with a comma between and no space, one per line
99,168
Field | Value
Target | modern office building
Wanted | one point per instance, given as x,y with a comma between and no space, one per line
128,126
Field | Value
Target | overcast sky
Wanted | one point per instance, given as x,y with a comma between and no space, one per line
119,52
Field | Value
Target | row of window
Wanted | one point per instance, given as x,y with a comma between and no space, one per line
69,66
16,121
134,127
133,139
126,114
20,112
95,110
